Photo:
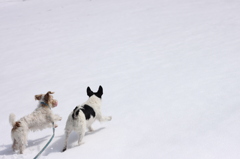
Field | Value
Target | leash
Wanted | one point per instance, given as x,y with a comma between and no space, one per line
50,138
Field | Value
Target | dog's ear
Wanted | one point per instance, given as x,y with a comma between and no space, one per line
49,92
89,92
99,92
47,95
38,97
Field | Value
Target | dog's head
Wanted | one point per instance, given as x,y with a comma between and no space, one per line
98,94
47,98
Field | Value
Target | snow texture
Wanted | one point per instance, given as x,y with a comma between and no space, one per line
170,71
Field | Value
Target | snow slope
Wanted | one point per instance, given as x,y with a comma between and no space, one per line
170,72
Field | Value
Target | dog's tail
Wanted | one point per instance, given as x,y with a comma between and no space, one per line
75,112
12,119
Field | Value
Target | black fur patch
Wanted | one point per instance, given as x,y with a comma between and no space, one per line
77,112
73,114
88,111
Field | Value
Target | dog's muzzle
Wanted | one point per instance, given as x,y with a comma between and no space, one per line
55,103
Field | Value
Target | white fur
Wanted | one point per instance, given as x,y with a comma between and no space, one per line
80,124
41,118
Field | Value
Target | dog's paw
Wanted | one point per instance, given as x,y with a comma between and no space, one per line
80,143
55,126
64,149
90,129
109,118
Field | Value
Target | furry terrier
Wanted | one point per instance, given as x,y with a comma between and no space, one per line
84,115
42,117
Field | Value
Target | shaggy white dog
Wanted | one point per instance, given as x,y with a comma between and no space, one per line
41,118
84,115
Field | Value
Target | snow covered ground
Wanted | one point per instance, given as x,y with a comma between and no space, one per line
170,71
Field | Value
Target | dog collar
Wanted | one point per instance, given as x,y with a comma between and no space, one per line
43,103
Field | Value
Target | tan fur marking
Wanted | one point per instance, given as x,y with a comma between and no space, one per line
49,92
38,97
17,125
48,97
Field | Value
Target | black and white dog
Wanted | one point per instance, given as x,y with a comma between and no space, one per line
84,115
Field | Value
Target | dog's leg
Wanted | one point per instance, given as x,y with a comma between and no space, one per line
17,142
80,137
14,146
90,128
101,118
67,133
21,147
57,118
22,142
81,133
25,138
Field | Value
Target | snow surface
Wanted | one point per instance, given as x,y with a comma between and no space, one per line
170,71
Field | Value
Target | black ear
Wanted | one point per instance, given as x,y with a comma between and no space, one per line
89,92
99,92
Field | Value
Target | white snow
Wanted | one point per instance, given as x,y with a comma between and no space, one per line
170,71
